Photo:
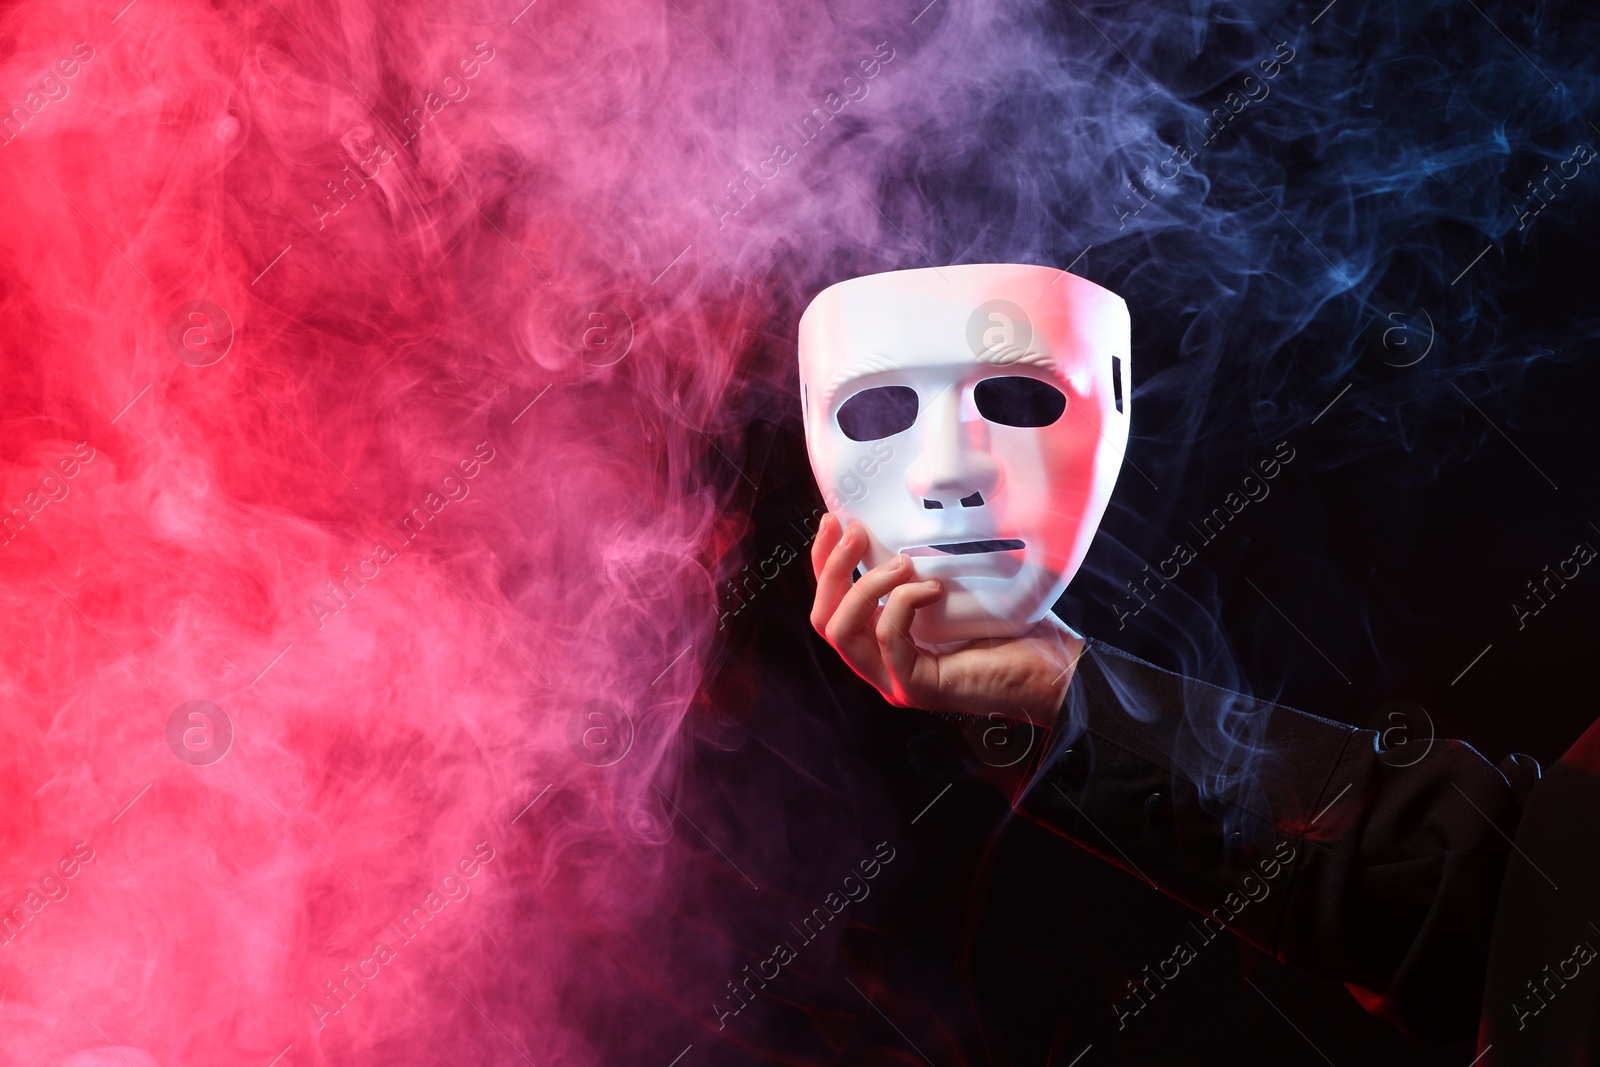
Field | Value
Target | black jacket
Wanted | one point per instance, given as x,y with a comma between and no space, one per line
1451,896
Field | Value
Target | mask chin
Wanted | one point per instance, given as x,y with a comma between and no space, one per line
975,608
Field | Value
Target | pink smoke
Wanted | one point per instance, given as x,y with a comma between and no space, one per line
371,419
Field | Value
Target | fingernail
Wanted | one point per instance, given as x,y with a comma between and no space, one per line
934,585
898,562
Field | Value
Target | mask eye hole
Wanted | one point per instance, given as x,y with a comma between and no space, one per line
873,414
1014,400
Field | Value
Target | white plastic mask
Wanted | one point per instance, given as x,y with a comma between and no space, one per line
973,417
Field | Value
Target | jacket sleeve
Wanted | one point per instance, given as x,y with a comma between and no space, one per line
1380,869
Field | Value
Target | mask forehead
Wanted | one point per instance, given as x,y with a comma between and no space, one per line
948,319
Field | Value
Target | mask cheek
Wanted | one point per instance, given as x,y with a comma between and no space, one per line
859,468
1051,492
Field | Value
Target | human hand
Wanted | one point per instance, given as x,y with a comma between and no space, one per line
1014,677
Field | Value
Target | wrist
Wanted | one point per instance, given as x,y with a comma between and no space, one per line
1063,647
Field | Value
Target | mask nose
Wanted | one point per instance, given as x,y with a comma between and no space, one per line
955,469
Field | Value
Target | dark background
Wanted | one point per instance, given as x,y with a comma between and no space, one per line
1420,502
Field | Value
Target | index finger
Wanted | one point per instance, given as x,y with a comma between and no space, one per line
833,580
828,535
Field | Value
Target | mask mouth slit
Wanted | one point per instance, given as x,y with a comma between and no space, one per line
966,548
